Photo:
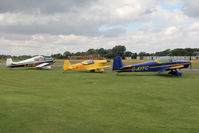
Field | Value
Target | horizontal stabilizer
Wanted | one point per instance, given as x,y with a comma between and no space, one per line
126,67
42,65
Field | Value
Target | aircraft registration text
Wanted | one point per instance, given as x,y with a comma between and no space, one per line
140,68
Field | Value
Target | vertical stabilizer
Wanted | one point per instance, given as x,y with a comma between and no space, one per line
117,63
66,65
9,62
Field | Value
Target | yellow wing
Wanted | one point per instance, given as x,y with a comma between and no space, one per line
176,67
97,67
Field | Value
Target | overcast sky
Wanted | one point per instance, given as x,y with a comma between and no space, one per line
53,26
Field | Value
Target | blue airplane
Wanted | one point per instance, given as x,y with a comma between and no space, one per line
161,64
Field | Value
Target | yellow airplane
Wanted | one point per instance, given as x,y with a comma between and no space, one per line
90,65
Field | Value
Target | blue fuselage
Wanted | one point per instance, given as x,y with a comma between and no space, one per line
154,66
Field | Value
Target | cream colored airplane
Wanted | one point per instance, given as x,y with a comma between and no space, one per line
39,62
90,65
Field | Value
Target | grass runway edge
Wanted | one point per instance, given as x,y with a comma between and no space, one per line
51,101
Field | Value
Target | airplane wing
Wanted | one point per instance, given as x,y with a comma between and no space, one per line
42,65
171,68
94,68
176,67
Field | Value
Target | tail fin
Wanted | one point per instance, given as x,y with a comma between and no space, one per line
117,63
66,65
9,62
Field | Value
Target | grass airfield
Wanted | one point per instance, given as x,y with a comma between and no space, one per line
50,101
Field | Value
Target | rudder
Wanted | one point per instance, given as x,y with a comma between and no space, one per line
9,62
66,65
117,63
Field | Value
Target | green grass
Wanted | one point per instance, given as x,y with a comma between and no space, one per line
49,101
195,65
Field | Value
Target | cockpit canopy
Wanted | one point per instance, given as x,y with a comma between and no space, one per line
38,58
165,59
87,62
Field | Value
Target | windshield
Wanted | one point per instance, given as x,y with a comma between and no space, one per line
166,59
38,58
87,62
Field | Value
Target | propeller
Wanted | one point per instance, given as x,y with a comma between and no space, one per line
190,64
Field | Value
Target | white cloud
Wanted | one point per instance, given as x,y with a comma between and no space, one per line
47,30
191,8
171,31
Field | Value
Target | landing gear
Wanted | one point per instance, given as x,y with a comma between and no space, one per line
100,70
175,72
92,71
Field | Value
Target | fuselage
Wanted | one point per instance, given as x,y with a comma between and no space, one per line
32,62
85,65
154,66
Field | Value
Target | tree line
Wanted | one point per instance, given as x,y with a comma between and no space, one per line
21,57
118,50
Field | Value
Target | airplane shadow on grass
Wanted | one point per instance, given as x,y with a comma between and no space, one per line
27,68
147,74
86,72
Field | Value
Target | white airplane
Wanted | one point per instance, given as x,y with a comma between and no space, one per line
38,61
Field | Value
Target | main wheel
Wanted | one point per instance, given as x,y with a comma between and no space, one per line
92,71
101,70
